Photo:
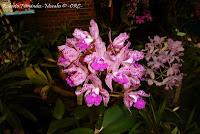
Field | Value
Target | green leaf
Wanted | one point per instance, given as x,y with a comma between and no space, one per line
59,124
49,76
81,112
178,33
24,112
161,109
3,118
111,115
175,131
34,77
16,84
13,74
116,121
189,121
12,118
134,128
40,73
59,109
81,131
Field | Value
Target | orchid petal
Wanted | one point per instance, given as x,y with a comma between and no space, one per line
108,81
86,87
119,40
142,93
80,34
105,96
94,30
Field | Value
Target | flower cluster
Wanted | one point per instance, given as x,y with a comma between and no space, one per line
146,17
163,58
132,11
132,7
85,60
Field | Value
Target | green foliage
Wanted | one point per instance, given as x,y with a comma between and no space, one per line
116,120
59,109
59,124
81,131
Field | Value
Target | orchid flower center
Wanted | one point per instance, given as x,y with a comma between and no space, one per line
93,99
120,78
99,64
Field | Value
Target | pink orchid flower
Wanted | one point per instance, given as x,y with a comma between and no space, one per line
85,38
97,61
94,93
139,19
118,42
68,55
127,76
134,98
76,75
133,56
147,16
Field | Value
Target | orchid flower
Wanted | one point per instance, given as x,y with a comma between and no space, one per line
97,61
94,93
134,98
85,38
147,15
68,55
139,19
164,62
85,56
118,42
76,75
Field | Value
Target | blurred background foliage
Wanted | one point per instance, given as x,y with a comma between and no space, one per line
35,99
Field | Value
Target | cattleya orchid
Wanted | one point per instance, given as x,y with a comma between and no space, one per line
94,93
134,98
76,75
132,10
164,61
85,60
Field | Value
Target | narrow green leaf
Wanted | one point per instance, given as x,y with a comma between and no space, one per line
40,73
175,131
34,77
189,121
161,109
27,114
59,109
134,128
81,131
13,74
3,118
49,76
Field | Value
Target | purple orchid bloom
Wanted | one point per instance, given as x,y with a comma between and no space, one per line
84,39
94,93
76,75
147,16
68,55
139,19
164,62
133,56
97,61
118,42
134,98
120,78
